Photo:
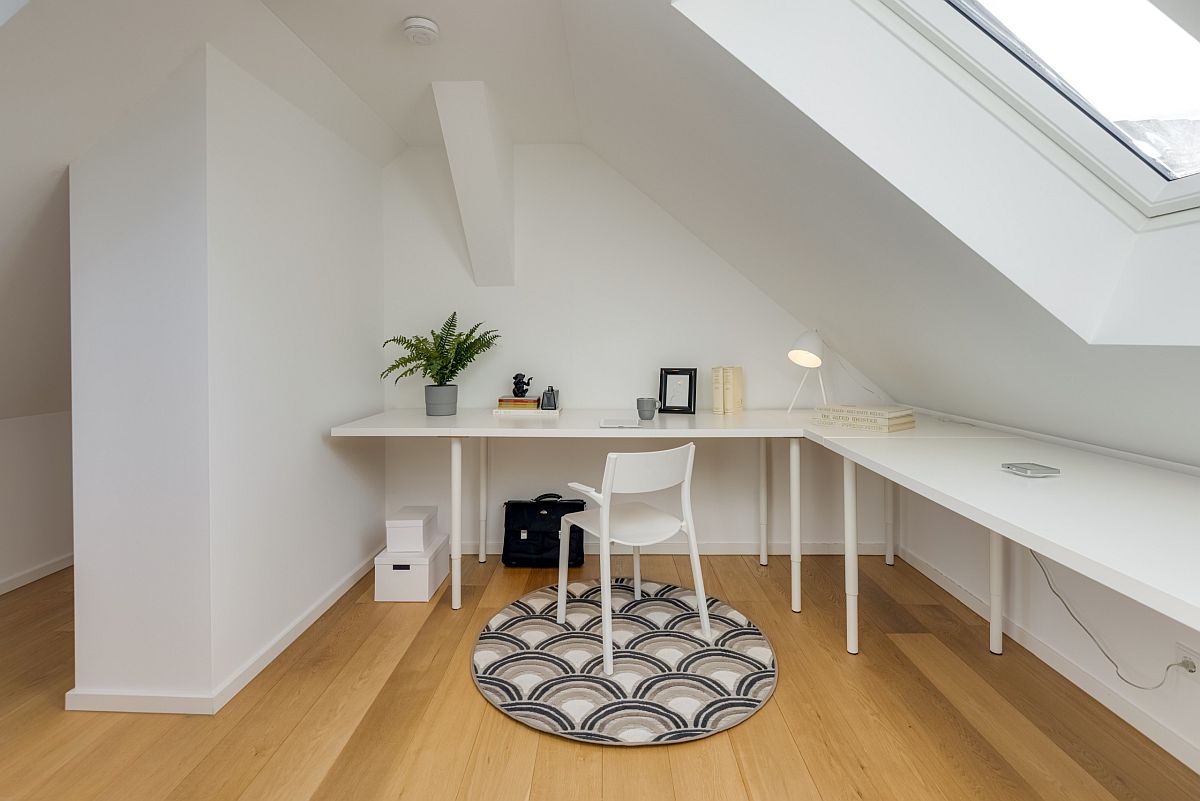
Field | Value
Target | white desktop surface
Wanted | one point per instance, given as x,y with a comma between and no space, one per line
928,426
1129,526
577,423
586,423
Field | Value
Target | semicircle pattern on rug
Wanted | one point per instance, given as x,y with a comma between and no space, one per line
668,685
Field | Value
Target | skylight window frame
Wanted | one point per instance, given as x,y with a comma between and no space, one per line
1024,90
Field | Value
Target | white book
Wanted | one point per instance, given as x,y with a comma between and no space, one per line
718,387
866,411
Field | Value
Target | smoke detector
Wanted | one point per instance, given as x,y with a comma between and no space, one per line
421,30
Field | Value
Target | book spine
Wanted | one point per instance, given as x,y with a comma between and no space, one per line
718,388
884,421
880,429
882,414
727,389
739,389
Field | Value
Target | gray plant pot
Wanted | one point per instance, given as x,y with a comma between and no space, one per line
441,401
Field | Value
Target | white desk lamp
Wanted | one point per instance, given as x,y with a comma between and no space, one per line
808,351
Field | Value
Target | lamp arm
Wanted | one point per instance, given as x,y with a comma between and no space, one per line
797,395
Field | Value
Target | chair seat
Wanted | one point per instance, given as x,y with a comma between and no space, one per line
632,523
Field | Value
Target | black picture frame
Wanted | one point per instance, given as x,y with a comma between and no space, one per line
671,375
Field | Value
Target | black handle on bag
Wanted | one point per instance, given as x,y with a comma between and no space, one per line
548,496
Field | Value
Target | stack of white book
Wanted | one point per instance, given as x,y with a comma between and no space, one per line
727,390
884,419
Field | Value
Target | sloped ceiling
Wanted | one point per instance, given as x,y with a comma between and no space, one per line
904,300
68,72
753,177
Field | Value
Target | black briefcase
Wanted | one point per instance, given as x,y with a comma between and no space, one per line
531,531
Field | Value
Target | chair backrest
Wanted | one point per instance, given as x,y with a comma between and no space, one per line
626,473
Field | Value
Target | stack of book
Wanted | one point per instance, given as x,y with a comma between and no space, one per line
727,390
883,419
522,407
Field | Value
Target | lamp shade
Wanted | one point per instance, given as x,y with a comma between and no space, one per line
808,350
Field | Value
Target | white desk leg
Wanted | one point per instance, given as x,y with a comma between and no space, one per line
889,522
794,492
850,501
483,498
996,612
762,501
455,523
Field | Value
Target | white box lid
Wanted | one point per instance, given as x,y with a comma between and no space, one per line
386,557
412,516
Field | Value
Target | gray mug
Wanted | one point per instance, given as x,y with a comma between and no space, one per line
647,407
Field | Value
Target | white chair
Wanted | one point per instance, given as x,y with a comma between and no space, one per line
635,524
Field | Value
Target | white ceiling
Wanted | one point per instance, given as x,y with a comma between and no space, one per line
516,46
755,179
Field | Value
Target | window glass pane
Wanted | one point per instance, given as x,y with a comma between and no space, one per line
1124,63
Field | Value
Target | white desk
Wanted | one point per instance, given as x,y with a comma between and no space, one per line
481,424
1129,526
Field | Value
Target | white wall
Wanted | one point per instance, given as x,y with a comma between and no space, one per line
139,351
610,289
225,296
294,330
35,497
954,552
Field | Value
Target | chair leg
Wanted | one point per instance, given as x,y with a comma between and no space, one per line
606,604
637,572
698,582
564,553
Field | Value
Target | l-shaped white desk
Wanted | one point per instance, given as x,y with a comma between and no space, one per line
1130,526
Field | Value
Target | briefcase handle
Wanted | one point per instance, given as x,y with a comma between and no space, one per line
548,496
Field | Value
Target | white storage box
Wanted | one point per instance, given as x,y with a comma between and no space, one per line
412,576
412,529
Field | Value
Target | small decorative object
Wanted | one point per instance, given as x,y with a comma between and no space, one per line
646,408
521,385
550,398
677,390
808,351
440,357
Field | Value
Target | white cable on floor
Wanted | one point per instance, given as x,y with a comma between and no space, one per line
1187,664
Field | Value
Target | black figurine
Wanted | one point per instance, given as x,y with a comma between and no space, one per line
521,385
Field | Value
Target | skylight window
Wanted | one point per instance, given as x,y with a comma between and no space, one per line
8,8
1124,63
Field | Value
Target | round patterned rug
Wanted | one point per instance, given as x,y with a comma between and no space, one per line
668,685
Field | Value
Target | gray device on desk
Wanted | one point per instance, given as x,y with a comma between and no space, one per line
1030,469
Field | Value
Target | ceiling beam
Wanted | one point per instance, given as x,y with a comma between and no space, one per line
479,149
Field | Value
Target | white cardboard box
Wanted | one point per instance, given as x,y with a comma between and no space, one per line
412,529
412,576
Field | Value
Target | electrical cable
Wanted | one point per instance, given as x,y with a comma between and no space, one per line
1186,664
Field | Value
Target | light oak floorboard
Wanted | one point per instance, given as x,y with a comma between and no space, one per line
375,701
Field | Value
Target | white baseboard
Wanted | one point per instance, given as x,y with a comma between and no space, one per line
34,573
124,701
733,548
112,701
242,676
1168,739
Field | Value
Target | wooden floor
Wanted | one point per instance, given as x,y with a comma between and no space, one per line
375,701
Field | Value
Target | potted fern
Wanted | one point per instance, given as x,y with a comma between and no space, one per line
440,357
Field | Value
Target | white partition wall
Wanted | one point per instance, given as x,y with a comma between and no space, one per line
224,276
